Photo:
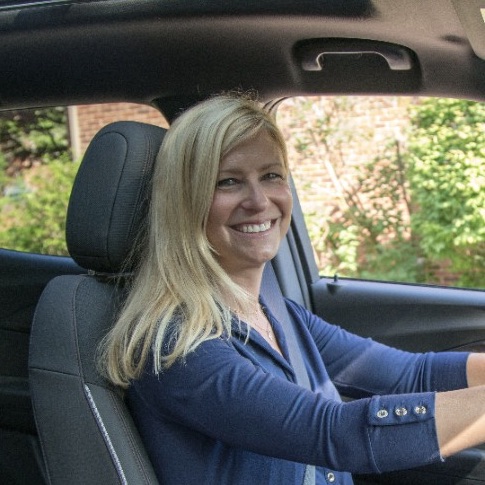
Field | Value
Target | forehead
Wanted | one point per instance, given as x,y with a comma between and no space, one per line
261,149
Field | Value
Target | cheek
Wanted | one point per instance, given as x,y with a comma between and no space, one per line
286,203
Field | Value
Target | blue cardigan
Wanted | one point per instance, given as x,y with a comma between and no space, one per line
231,413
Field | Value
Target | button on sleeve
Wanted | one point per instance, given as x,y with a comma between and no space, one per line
400,409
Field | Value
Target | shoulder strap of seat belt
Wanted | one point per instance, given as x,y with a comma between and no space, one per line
273,297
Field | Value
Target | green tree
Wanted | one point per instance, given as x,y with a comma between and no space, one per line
389,247
33,136
446,156
34,220
36,174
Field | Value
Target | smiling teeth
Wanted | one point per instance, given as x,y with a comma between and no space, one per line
257,227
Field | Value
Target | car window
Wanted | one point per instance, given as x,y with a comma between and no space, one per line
40,150
393,188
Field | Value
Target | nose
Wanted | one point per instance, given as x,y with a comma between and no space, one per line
256,198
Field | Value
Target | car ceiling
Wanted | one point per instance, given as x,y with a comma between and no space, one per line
171,52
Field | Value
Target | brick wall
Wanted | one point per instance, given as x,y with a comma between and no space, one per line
358,133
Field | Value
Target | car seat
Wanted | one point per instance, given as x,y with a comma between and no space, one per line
86,433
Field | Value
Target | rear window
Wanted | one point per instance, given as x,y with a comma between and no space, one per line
40,151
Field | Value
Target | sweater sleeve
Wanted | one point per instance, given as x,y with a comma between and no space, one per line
362,367
227,397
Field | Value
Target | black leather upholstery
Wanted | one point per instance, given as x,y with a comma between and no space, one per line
86,433
109,197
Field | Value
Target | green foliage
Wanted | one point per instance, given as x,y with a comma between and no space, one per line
38,135
34,220
36,174
3,175
389,249
447,174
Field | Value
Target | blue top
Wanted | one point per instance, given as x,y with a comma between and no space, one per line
231,413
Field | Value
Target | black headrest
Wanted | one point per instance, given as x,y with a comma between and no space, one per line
109,197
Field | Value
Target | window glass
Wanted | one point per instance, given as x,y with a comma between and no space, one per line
393,188
40,150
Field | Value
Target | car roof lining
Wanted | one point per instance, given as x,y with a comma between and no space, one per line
167,53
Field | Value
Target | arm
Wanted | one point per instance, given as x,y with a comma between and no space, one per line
460,415
362,367
460,419
476,370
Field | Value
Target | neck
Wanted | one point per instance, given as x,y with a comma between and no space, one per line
249,280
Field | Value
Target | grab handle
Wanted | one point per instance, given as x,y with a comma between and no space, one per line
310,54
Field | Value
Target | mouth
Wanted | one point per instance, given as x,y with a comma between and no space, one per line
254,228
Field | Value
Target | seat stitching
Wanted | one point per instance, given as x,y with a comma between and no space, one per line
133,445
105,435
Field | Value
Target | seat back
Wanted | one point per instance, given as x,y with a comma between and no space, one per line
85,430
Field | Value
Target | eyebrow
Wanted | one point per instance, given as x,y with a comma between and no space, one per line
237,170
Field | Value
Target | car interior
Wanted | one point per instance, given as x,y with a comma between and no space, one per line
60,422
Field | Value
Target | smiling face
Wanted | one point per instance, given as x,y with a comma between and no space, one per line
251,207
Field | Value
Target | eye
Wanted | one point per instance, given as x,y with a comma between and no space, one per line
274,176
226,183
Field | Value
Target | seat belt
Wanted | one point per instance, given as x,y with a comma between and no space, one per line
271,292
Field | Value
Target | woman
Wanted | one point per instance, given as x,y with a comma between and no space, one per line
206,363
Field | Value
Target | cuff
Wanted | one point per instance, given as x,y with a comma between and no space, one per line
402,431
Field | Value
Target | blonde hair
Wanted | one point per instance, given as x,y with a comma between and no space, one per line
178,296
